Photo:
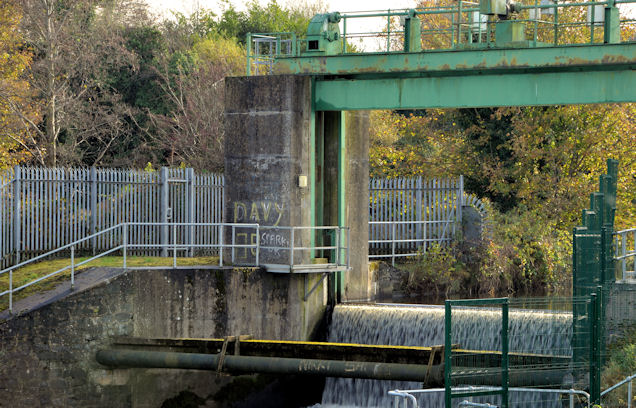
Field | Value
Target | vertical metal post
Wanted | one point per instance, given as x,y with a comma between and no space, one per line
233,242
504,354
344,34
248,47
537,14
93,208
72,267
460,203
448,399
418,207
452,30
174,245
388,31
459,24
571,400
163,210
556,23
612,29
190,211
11,291
221,245
17,185
595,385
348,249
629,394
291,254
337,257
622,253
258,243
125,244
592,24
393,244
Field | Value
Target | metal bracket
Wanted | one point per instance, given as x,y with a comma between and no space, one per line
307,294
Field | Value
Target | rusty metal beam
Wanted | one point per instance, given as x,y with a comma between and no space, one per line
462,62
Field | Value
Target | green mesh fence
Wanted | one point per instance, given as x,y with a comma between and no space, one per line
498,346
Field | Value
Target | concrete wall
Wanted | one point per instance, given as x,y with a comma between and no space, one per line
47,355
359,282
267,148
269,145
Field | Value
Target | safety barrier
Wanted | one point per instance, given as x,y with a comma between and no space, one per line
120,239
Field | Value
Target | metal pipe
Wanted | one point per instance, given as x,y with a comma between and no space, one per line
404,395
271,365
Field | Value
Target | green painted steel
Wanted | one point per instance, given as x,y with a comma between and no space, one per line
448,332
477,91
503,378
342,185
444,63
593,262
504,354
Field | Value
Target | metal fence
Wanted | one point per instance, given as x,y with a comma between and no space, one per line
408,214
42,209
625,255
126,241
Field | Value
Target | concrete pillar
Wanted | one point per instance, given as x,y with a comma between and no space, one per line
267,150
359,282
269,146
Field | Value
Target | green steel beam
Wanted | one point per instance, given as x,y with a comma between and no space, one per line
476,90
460,62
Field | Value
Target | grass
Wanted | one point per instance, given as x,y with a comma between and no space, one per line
37,270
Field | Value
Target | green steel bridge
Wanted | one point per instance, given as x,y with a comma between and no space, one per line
463,54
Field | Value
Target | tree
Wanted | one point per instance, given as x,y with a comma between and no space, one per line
192,132
14,90
76,44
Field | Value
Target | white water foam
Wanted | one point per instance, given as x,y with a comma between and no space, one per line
535,332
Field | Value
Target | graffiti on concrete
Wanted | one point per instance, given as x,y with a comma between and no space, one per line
259,212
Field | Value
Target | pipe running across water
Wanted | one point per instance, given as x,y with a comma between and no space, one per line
537,332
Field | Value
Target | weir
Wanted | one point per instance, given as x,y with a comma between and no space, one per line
536,332
297,164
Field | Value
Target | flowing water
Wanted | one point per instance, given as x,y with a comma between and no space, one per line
539,332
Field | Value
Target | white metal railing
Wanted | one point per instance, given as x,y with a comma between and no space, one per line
630,394
120,239
407,398
626,249
337,252
416,244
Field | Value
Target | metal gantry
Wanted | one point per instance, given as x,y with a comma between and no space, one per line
491,53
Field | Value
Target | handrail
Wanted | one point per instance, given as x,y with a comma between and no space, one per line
123,245
622,253
405,395
460,23
570,392
627,380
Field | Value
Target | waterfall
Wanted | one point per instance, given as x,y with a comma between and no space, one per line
538,332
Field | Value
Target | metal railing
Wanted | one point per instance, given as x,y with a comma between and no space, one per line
630,394
625,253
415,246
336,254
120,242
408,396
462,26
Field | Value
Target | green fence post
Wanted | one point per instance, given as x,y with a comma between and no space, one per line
504,354
447,354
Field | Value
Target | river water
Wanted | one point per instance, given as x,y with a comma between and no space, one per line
538,332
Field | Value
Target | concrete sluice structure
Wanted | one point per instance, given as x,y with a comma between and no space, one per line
537,332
